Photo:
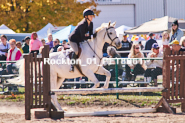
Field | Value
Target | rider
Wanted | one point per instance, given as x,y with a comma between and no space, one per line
83,31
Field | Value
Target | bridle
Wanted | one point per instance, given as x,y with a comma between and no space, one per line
103,38
109,35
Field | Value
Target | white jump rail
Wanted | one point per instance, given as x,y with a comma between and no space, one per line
105,113
102,82
109,90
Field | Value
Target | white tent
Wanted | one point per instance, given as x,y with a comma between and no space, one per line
120,31
43,32
5,30
157,25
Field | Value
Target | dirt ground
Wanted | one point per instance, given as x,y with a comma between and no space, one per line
13,112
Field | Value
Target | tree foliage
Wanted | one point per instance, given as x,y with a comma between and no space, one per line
32,15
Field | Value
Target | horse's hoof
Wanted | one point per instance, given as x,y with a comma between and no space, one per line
96,85
105,87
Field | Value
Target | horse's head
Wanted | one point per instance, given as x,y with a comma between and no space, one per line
110,34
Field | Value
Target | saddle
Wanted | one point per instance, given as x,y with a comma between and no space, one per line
78,56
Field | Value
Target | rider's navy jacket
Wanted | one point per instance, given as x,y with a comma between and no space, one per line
78,35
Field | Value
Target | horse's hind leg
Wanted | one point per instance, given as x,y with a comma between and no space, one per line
89,74
103,71
59,82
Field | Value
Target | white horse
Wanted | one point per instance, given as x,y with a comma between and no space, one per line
90,50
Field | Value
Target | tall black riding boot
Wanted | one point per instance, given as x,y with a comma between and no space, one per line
72,65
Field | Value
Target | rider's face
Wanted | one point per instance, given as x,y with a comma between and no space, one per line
90,17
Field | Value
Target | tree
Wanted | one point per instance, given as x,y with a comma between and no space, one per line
32,15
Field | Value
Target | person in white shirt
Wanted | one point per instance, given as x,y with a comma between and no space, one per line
4,47
165,40
154,67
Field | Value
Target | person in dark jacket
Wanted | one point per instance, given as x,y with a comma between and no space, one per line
55,45
126,45
83,31
25,46
150,42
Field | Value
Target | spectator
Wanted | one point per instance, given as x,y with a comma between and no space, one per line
64,42
126,45
111,51
182,41
150,42
105,49
14,54
50,41
154,67
35,44
165,40
176,33
176,47
18,45
135,69
25,45
55,46
4,47
43,42
141,46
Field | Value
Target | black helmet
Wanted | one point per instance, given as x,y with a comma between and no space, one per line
87,12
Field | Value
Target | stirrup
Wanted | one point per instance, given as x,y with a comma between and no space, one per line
71,69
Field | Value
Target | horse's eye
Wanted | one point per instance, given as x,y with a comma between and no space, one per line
110,33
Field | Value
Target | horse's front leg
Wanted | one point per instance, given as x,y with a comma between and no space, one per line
90,74
103,71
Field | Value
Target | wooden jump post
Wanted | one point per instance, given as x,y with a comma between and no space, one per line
39,95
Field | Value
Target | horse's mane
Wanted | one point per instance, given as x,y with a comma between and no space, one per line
103,25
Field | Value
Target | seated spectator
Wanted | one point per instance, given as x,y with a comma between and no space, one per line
14,54
176,47
50,41
165,40
111,51
154,67
55,45
64,42
137,68
25,46
141,46
35,44
18,45
105,49
43,42
4,47
182,41
126,45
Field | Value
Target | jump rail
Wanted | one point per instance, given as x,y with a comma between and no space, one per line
109,90
37,97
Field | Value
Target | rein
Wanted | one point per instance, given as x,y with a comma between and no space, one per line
103,38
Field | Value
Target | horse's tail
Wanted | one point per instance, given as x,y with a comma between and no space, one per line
20,80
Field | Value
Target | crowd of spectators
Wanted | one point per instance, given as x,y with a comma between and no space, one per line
13,50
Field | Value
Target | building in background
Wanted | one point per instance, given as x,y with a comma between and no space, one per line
135,12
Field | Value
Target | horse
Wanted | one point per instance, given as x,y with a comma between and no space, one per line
89,50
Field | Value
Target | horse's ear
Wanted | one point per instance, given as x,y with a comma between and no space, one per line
109,23
114,24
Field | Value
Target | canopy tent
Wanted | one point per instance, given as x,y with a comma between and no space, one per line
120,31
63,33
43,32
156,26
5,30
